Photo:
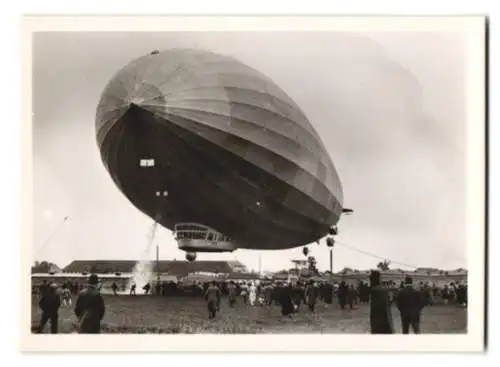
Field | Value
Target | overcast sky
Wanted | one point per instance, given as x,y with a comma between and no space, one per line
389,108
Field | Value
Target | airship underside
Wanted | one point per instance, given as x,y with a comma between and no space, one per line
194,137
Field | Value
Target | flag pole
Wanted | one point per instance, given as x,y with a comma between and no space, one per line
331,260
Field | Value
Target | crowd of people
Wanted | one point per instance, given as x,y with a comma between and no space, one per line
267,290
408,297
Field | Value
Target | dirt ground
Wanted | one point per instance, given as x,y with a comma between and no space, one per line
150,314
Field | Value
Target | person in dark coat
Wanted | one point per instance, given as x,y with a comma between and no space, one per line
342,294
232,293
410,303
244,293
268,294
90,308
364,292
286,300
351,296
276,293
380,310
49,304
465,296
328,293
132,289
311,296
212,296
460,292
43,288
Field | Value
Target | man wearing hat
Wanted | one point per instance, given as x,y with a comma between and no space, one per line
380,309
311,293
49,304
286,295
212,296
410,303
90,308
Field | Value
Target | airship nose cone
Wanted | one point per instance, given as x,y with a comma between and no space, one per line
136,101
134,105
117,100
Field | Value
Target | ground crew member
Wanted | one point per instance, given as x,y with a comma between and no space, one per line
410,302
49,304
213,299
89,308
380,310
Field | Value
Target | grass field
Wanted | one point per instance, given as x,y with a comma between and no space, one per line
149,314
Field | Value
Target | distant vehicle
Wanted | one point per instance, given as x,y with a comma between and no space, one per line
216,152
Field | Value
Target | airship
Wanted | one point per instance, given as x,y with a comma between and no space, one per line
216,152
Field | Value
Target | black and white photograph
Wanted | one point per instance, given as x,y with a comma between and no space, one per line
281,177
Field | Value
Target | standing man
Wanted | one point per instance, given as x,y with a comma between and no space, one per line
213,299
276,293
299,295
328,293
268,294
44,287
146,289
446,294
342,294
351,296
49,304
380,310
90,308
311,295
244,293
410,303
232,291
286,300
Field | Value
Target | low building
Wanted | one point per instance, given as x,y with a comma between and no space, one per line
121,272
122,280
164,267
